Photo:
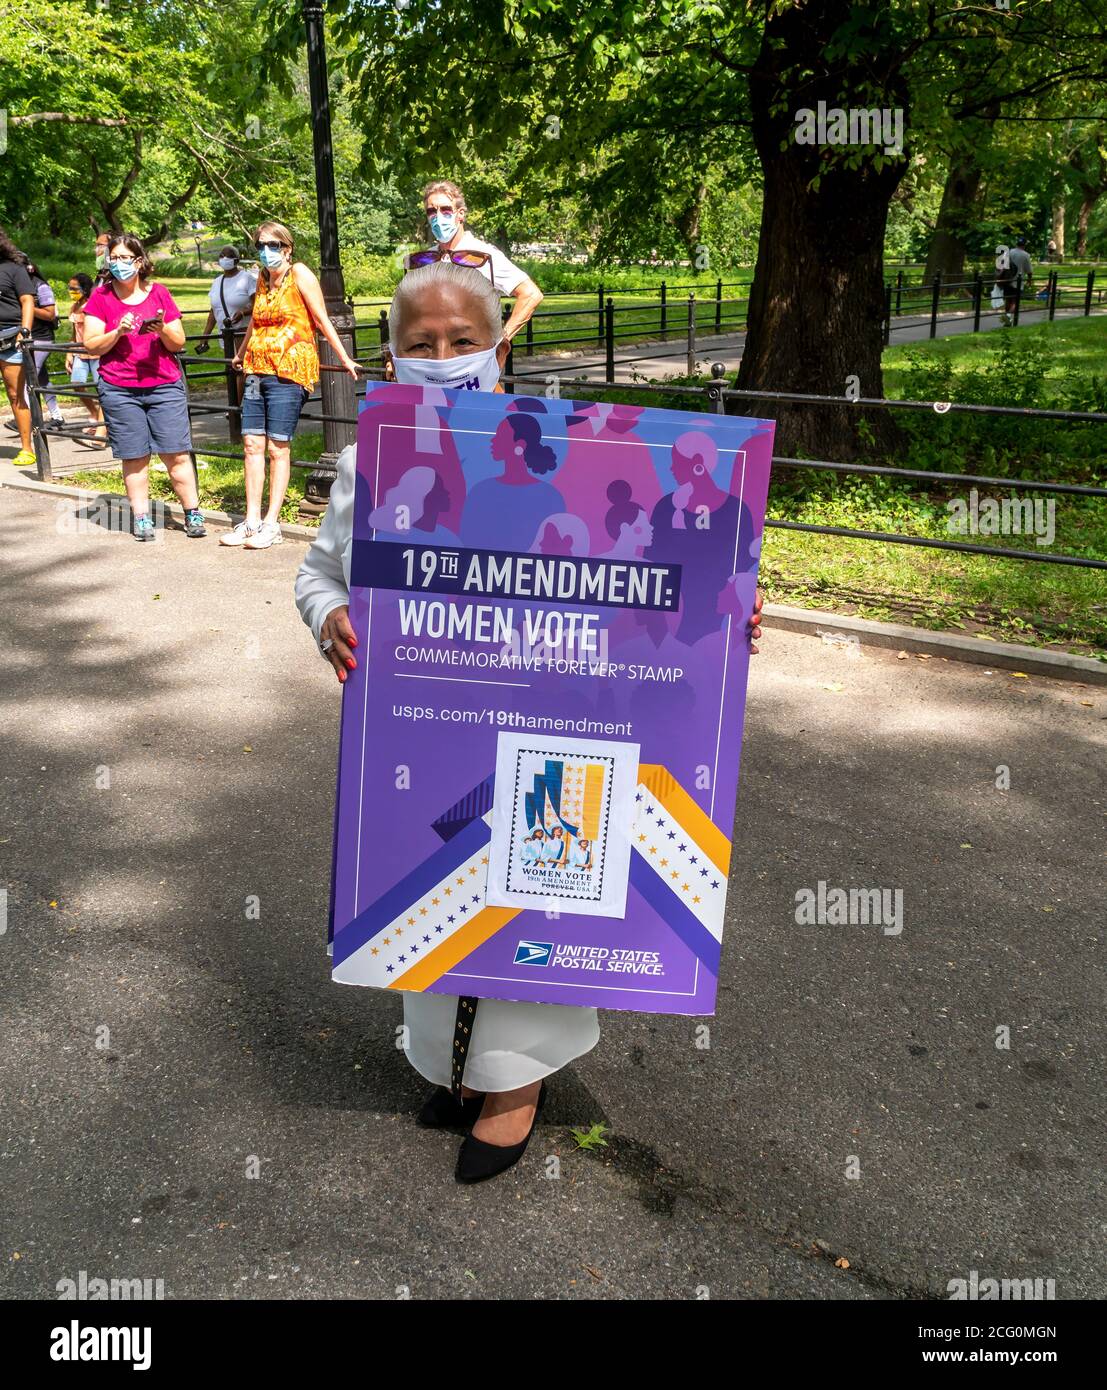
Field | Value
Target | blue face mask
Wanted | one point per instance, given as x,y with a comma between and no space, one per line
443,226
121,271
269,258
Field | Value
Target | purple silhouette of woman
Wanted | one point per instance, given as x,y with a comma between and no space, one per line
695,526
561,534
626,522
411,509
504,513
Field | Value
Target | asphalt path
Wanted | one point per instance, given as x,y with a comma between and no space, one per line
169,737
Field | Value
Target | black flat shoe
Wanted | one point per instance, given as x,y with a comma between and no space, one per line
442,1111
477,1160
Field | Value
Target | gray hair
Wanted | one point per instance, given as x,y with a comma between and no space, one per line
464,277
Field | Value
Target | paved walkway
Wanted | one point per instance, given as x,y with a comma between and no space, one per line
169,741
641,361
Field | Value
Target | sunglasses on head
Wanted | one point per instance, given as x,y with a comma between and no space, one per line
476,260
268,245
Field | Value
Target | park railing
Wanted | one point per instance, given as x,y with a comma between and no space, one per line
937,300
663,313
714,398
679,313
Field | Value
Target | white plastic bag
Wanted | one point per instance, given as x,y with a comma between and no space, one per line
997,297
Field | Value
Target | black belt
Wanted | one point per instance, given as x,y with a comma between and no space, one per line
463,1038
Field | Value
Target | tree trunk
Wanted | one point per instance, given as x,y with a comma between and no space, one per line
817,300
1058,232
1088,202
691,219
956,216
1092,185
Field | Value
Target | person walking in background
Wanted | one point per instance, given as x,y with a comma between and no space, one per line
1007,283
17,315
134,328
82,368
446,213
1023,266
232,302
281,363
44,330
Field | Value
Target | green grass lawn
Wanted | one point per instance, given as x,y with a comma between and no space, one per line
1007,600
1079,344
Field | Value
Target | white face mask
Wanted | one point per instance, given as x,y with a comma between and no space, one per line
475,371
225,263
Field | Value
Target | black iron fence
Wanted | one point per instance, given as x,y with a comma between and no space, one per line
714,398
660,313
1074,291
682,313
665,314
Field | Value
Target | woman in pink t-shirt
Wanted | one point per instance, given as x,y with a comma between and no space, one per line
133,328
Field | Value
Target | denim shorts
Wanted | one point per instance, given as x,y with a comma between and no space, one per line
271,406
145,420
85,369
11,355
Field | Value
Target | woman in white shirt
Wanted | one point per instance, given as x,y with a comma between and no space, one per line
553,851
531,852
231,298
443,312
580,854
446,214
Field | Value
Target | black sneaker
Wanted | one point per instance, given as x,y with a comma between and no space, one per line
144,529
194,524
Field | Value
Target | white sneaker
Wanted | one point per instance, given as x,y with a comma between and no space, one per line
238,535
267,534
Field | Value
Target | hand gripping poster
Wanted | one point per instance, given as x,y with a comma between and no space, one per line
539,752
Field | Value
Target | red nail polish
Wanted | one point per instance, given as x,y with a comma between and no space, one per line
351,663
353,642
341,676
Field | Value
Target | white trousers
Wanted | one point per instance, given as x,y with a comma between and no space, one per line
513,1043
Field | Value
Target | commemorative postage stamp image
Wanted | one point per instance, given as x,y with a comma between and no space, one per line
562,815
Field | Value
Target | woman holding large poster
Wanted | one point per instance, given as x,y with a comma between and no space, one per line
488,1059
512,1046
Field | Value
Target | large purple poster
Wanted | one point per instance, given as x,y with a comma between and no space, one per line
540,743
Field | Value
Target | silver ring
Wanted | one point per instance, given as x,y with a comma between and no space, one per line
326,644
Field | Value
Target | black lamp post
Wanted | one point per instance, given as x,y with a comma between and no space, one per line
338,389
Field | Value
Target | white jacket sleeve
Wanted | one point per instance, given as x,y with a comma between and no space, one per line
323,583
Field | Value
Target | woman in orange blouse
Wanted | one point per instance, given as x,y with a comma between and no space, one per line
281,362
